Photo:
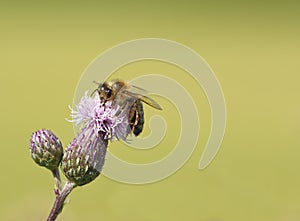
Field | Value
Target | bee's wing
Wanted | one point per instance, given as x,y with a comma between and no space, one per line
138,89
123,101
143,98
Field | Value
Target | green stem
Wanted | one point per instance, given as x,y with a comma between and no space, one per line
57,182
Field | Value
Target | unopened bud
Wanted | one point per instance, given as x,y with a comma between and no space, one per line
46,149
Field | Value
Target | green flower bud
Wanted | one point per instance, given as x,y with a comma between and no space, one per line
46,149
84,157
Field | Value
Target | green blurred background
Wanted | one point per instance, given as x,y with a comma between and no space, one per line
252,47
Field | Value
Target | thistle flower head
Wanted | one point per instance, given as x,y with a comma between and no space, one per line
46,149
84,157
104,118
99,122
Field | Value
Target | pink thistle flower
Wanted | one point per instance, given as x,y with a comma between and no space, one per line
103,117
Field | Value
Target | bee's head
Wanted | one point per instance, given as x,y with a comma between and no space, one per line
105,92
108,90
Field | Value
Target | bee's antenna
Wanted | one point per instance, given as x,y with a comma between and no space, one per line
95,82
94,92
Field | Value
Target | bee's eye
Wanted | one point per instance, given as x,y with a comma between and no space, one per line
108,92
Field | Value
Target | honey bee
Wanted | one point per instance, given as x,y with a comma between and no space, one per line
119,92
